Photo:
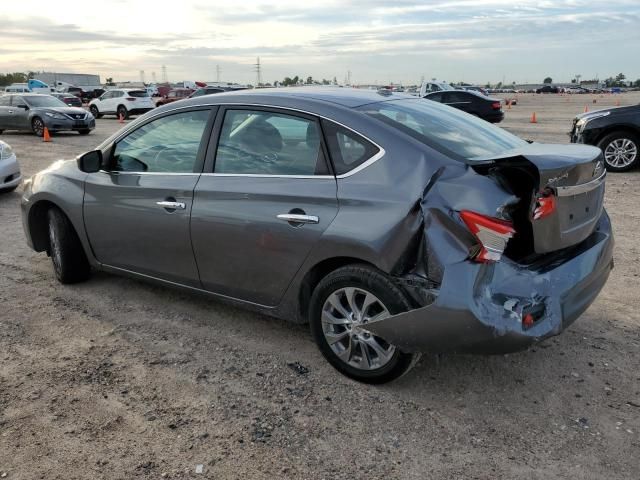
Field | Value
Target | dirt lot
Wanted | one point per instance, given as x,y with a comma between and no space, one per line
117,379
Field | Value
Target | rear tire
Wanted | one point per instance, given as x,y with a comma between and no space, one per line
621,151
84,132
7,190
70,263
122,111
358,354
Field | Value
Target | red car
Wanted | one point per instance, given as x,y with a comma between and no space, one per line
174,95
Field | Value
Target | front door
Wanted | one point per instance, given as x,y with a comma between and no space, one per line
5,108
19,113
268,200
137,212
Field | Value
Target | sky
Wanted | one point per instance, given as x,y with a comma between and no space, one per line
399,41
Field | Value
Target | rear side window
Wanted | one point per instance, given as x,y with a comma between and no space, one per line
348,150
4,101
138,94
269,143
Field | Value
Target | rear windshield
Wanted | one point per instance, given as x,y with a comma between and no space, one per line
446,129
138,93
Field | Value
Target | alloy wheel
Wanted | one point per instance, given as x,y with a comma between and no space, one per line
621,152
38,127
345,315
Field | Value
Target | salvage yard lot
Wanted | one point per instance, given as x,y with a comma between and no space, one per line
119,379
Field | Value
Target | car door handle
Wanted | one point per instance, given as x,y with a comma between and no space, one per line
298,218
172,205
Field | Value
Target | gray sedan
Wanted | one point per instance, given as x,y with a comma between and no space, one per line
10,176
34,112
393,225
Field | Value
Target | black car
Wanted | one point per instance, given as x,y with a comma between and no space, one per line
615,130
548,89
68,98
487,108
207,91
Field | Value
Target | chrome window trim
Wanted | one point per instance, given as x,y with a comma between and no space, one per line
147,173
571,190
381,153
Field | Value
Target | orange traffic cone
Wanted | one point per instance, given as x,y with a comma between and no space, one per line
121,118
533,118
586,108
45,136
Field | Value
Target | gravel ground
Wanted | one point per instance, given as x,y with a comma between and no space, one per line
118,379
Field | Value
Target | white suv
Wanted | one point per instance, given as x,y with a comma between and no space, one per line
121,102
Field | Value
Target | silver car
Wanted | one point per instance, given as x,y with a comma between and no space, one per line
10,176
34,112
393,225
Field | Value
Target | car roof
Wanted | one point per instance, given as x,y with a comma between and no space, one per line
346,97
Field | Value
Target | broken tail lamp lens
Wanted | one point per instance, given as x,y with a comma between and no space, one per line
492,234
545,205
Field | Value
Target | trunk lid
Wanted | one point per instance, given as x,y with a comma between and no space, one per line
566,183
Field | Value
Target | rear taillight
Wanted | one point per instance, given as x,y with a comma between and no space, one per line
131,99
545,205
496,105
492,234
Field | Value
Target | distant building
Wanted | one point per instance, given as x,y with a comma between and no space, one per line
87,82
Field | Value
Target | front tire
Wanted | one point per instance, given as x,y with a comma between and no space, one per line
84,132
95,112
341,305
70,263
37,125
621,151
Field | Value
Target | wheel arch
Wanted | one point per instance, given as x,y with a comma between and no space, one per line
617,128
315,274
37,222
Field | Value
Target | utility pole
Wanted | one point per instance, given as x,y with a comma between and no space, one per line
164,73
218,73
258,70
142,76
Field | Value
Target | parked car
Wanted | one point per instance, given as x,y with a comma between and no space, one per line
68,99
174,95
548,89
391,224
10,176
615,130
121,102
487,108
207,91
35,111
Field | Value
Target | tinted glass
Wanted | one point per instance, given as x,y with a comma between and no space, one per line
436,97
457,97
348,150
448,130
166,145
43,101
4,100
138,94
268,143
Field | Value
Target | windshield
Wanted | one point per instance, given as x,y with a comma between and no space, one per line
43,101
446,129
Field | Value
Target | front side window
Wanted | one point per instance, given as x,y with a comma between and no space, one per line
4,100
445,129
167,145
269,143
40,101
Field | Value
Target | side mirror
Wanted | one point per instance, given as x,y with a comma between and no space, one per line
90,162
24,107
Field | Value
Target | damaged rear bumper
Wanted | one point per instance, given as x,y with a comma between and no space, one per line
479,307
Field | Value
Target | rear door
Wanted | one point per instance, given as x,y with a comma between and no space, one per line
137,213
263,205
